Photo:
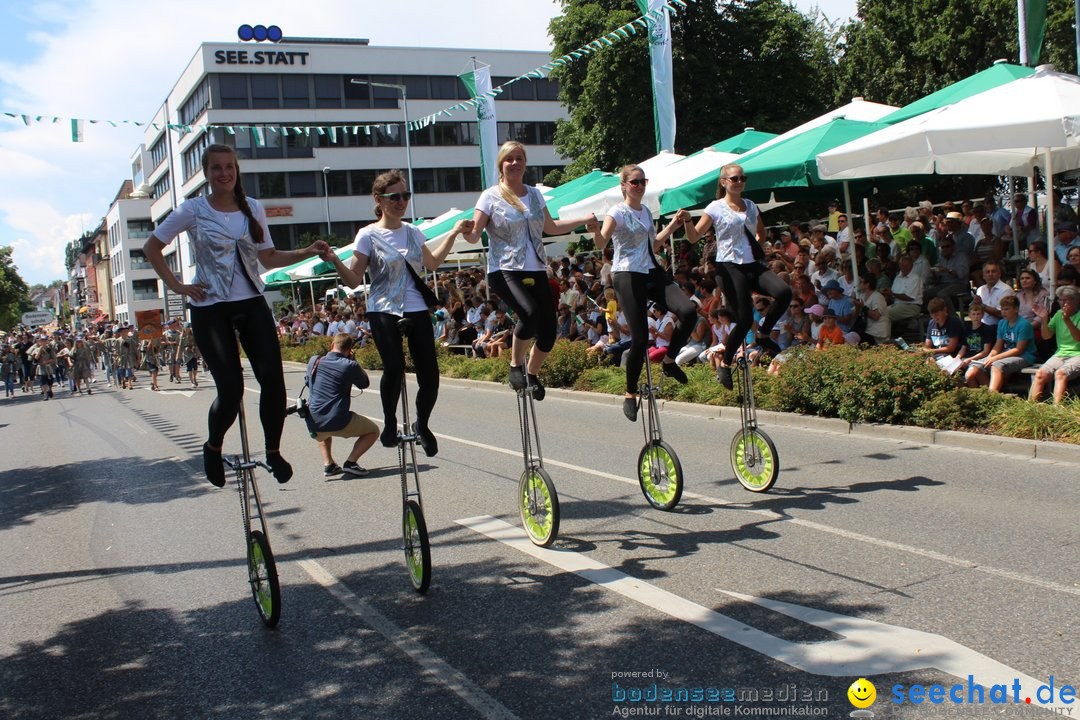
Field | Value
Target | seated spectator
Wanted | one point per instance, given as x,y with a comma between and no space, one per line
929,247
872,305
1040,263
979,337
1031,293
1064,327
944,337
830,333
1066,239
1013,351
794,325
721,321
919,266
696,343
824,273
1073,257
665,328
900,234
843,309
957,231
619,338
952,276
993,289
906,293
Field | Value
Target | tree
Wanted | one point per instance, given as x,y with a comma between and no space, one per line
757,63
898,52
14,294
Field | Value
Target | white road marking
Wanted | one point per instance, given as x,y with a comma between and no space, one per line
820,527
434,666
185,393
865,648
136,428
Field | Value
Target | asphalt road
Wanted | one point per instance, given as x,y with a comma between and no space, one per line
123,592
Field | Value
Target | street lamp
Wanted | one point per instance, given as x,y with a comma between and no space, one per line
408,149
326,197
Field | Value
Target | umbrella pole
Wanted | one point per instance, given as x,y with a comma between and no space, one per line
311,288
851,250
1013,226
1050,220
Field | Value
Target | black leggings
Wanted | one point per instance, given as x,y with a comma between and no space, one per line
387,335
633,289
531,302
215,328
737,281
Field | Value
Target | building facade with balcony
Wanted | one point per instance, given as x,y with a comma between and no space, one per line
311,182
133,282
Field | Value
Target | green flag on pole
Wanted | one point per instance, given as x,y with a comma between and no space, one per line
1035,10
478,82
663,88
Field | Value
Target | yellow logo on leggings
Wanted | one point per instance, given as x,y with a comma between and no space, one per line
528,282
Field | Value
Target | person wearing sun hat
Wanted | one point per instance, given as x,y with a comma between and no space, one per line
957,230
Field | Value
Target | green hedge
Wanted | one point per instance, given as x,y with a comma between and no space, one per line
879,384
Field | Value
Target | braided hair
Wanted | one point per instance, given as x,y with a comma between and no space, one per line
254,228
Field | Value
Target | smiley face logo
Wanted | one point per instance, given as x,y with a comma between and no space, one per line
862,693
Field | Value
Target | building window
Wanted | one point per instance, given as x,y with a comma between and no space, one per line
522,90
298,145
357,95
234,90
137,260
302,184
420,137
198,101
423,180
337,182
545,133
271,147
384,97
446,133
136,171
161,187
192,158
362,180
272,185
294,91
388,136
546,89
264,91
158,151
473,182
139,229
447,88
144,289
327,91
417,87
448,180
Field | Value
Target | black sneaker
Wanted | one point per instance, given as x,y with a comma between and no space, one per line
769,345
629,408
279,466
674,372
517,377
428,441
389,436
351,468
212,466
538,390
723,374
332,469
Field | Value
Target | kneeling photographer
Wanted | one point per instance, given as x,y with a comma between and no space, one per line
330,380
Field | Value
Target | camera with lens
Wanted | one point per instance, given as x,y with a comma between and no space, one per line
300,409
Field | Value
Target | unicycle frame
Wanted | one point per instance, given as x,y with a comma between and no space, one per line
529,430
647,400
747,405
407,440
414,528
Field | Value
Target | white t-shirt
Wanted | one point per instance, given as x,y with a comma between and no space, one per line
399,239
732,244
183,219
665,321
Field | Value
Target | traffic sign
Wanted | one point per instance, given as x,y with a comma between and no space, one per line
37,317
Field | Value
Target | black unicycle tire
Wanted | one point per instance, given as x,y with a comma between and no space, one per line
663,495
758,476
538,504
417,548
263,578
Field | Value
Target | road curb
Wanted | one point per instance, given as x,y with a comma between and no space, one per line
1017,447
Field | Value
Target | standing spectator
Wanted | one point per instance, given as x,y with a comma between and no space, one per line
1064,364
1023,224
952,276
956,230
1013,351
845,237
999,216
832,223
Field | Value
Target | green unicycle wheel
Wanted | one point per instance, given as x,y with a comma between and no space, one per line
754,460
417,548
660,475
539,506
262,575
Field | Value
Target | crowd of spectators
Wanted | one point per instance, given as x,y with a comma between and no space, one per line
945,280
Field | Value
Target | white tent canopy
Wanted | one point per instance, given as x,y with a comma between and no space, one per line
1006,130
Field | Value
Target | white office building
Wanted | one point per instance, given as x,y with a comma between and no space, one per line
134,282
311,181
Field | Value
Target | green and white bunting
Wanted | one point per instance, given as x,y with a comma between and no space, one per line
478,82
657,15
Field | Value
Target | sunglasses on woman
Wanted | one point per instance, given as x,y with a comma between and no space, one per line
737,178
396,197
638,182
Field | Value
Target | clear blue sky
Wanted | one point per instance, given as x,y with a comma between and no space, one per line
115,59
